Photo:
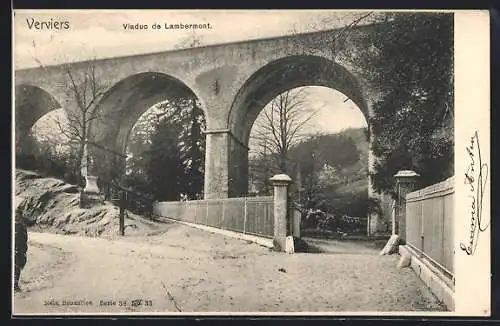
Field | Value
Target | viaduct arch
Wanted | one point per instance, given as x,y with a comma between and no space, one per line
122,106
31,103
125,102
268,82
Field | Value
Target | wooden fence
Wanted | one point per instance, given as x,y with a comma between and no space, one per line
429,224
249,215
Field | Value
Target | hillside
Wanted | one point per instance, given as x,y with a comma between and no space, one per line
54,207
346,151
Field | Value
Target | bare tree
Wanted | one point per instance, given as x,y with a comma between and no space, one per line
86,89
279,126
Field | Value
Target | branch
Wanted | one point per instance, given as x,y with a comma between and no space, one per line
74,88
351,25
93,79
95,97
272,127
300,124
67,132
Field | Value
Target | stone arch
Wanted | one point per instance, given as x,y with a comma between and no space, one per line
265,84
120,108
125,102
284,74
31,104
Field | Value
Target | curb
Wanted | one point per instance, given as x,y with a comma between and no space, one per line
431,277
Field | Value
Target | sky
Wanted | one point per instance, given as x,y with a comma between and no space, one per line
330,111
100,34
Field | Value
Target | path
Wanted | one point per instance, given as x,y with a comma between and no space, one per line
189,270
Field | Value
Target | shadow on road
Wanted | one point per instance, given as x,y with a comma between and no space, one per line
311,245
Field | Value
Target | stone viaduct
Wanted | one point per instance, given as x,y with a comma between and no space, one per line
233,82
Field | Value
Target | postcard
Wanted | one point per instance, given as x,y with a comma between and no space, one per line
251,162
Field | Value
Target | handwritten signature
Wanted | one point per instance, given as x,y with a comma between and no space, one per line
476,175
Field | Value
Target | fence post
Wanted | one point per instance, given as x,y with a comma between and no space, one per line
406,182
122,213
280,183
223,223
296,218
206,212
245,216
149,212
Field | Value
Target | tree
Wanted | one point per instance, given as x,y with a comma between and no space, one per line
175,126
164,167
279,127
44,149
259,172
328,179
86,90
331,165
194,150
169,132
26,154
409,61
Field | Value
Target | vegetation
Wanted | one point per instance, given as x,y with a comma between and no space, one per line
279,127
166,151
330,173
43,155
409,62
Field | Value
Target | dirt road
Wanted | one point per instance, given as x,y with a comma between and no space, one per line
189,270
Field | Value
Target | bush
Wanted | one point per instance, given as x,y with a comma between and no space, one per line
324,221
61,167
26,161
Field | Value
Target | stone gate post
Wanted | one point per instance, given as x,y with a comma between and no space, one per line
406,182
280,183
